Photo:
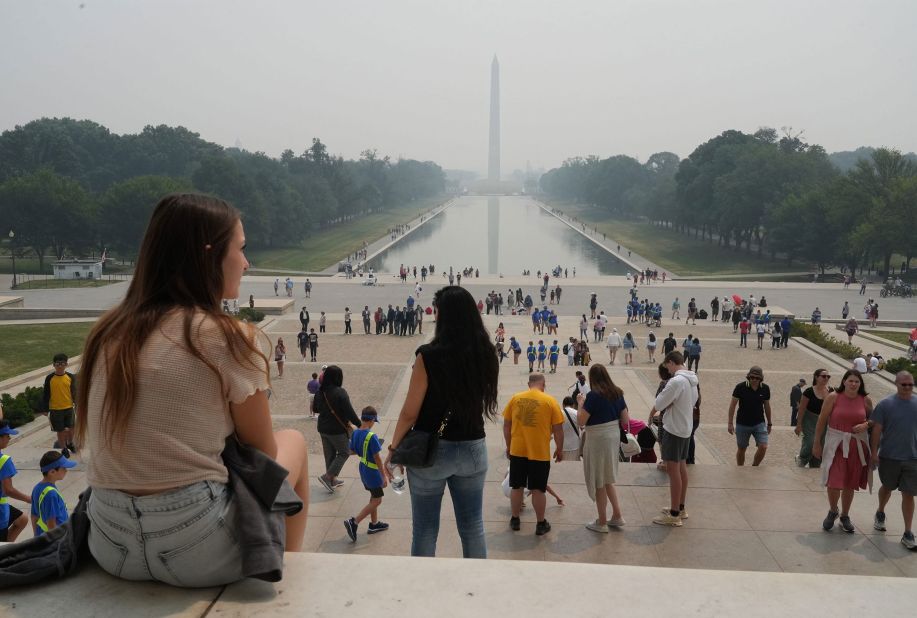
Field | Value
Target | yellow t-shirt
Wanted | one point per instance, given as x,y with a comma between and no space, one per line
61,398
533,414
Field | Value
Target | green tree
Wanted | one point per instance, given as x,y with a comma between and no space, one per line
125,209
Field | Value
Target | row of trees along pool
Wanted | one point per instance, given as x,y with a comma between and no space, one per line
71,187
763,192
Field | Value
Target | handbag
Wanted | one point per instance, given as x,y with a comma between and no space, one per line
347,426
630,446
418,448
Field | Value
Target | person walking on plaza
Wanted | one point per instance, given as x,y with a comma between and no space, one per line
453,389
846,460
603,413
529,420
677,399
744,327
852,328
336,420
810,405
304,318
754,419
795,398
785,326
58,401
280,356
366,444
894,452
313,345
613,344
347,329
367,317
714,308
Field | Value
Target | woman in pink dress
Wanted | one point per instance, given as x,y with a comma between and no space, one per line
845,453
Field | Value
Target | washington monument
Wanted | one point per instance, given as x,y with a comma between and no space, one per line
493,160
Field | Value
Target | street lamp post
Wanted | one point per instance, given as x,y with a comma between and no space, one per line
13,254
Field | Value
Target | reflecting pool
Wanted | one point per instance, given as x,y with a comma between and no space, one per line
498,235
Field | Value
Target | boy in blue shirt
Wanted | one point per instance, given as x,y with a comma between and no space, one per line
530,354
542,354
48,507
12,520
365,443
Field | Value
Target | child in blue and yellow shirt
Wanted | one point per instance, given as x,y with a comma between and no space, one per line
12,520
48,507
365,443
58,400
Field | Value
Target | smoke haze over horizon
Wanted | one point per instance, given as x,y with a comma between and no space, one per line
412,78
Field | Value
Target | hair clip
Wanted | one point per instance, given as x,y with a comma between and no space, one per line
207,247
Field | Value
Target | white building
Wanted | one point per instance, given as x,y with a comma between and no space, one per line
78,269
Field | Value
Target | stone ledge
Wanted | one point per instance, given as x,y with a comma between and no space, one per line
273,306
454,587
11,301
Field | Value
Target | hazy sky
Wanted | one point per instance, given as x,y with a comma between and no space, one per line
411,78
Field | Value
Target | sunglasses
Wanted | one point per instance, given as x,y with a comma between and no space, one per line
753,378
907,384
824,375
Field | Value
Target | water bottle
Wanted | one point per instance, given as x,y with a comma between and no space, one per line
397,482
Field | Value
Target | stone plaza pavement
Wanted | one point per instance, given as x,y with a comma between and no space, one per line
750,519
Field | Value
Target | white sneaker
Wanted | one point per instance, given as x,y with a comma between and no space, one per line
668,520
595,526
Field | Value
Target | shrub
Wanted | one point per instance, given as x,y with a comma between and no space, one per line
22,408
901,364
816,335
250,315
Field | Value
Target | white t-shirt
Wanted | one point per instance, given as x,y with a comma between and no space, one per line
874,364
614,340
571,438
859,364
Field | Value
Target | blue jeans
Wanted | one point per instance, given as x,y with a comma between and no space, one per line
461,465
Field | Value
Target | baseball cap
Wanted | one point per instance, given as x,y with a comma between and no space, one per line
755,372
53,460
6,430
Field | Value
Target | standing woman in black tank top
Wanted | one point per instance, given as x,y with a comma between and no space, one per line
455,374
809,409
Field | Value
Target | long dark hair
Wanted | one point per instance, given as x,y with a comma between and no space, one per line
601,383
332,377
180,266
468,370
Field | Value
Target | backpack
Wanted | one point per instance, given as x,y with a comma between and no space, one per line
702,314
566,348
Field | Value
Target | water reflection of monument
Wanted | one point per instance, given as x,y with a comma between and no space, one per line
493,235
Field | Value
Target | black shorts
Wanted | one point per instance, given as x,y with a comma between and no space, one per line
61,420
528,473
14,515
375,492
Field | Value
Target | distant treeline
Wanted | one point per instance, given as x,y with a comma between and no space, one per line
761,192
71,186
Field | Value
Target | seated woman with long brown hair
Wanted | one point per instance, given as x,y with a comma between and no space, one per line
166,378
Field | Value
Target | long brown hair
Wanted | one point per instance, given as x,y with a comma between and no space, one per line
601,383
180,266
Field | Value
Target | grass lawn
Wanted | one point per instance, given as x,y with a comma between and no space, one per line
30,346
678,252
329,246
902,338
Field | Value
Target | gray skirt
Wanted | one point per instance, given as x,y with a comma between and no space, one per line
601,455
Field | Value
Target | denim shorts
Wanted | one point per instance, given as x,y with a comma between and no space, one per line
745,432
185,537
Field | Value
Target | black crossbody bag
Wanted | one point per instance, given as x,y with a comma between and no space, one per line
417,448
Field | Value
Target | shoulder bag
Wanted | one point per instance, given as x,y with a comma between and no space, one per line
417,448
347,426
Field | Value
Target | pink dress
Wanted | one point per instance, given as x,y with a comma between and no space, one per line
848,473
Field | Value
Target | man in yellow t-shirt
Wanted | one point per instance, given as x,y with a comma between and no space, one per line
529,419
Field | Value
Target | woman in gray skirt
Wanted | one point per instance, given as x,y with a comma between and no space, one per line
603,412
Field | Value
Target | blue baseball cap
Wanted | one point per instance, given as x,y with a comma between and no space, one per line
8,431
60,462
